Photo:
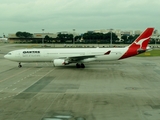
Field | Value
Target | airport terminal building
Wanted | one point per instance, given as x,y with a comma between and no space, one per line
52,37
37,37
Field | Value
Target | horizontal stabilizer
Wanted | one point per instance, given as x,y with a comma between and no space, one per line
107,53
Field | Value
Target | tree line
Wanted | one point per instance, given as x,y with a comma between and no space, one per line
88,37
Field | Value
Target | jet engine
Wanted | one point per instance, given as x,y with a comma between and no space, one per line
59,62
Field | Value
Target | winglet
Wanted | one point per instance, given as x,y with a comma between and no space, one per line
107,53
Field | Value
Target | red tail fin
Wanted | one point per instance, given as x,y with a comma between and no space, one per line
140,44
143,39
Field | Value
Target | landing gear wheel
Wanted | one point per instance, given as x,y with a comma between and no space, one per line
78,65
82,65
19,65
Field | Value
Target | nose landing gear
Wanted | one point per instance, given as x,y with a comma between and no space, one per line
19,65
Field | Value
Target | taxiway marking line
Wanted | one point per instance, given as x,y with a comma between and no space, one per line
14,75
36,80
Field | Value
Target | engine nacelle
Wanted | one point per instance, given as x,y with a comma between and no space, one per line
59,62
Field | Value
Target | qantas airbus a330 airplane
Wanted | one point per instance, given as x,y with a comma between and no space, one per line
78,56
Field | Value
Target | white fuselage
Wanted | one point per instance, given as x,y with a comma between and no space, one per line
48,55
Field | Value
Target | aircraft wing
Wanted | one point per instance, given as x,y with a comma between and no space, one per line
73,59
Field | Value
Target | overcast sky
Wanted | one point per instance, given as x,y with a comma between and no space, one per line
81,15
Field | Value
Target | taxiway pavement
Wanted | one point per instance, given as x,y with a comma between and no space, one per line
118,90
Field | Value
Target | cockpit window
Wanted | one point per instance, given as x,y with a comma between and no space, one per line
9,53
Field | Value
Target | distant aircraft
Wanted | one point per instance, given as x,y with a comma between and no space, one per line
78,56
4,39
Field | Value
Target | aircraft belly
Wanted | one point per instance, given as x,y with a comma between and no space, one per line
35,59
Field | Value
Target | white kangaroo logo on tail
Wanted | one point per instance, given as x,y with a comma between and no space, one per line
140,42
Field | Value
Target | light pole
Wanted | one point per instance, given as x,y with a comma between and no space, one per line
73,36
111,37
43,38
155,41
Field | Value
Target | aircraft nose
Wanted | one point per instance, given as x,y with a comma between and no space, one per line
5,56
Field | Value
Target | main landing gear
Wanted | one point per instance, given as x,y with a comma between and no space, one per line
19,65
80,65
